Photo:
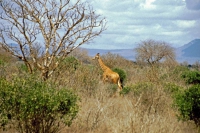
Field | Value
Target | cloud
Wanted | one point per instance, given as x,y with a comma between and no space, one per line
193,4
185,23
148,5
132,21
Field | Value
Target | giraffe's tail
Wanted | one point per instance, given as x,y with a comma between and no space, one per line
120,84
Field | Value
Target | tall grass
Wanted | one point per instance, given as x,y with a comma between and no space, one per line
145,108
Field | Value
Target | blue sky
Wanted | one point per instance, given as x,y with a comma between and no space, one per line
129,22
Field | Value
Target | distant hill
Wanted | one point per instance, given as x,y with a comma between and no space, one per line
189,52
192,49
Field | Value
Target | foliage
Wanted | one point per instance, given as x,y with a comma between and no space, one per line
125,90
148,104
191,77
188,104
70,63
179,70
188,101
172,88
34,106
122,74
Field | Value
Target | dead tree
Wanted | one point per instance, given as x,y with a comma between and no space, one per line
153,52
40,31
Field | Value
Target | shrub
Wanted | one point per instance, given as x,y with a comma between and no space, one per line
191,77
121,73
179,69
188,104
35,106
188,101
125,90
171,88
70,63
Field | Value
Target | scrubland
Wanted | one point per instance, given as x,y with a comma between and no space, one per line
145,106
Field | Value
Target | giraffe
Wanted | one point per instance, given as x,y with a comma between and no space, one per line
108,74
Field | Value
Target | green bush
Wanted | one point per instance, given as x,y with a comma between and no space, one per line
188,101
121,73
191,77
171,88
125,90
179,69
35,106
188,104
71,62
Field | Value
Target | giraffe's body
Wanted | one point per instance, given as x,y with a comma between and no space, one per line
108,74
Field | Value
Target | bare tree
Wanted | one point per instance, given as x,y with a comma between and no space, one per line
39,31
152,52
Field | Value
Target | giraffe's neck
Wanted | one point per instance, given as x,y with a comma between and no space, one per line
102,65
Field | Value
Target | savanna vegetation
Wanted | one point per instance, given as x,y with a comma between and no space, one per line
48,85
74,99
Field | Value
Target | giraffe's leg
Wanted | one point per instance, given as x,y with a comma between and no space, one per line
106,78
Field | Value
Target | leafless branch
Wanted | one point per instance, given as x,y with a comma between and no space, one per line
154,51
57,27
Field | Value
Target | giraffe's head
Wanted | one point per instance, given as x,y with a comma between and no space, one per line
96,56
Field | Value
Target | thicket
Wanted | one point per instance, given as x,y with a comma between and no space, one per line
83,78
146,105
188,100
122,74
33,106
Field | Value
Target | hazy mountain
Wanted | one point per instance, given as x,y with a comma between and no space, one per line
189,52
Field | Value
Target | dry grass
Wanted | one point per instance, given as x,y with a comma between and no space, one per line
103,113
149,111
